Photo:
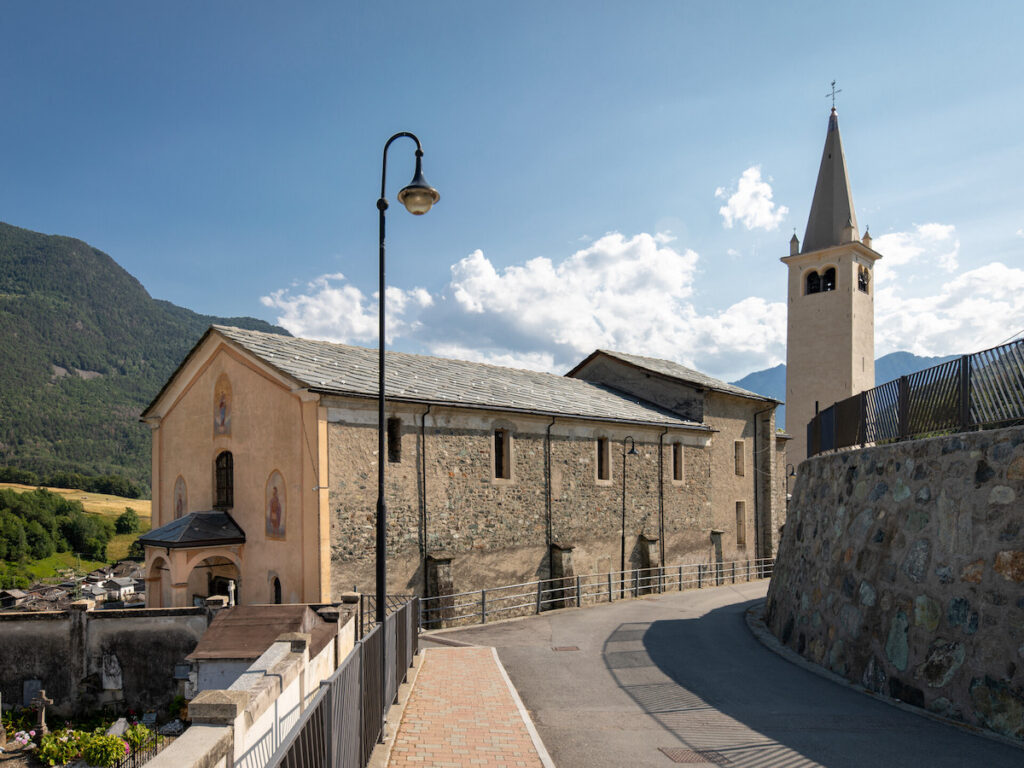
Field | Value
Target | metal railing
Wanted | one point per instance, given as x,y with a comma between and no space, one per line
531,597
146,751
982,390
345,718
368,609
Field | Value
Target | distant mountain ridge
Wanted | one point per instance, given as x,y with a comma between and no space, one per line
771,382
83,349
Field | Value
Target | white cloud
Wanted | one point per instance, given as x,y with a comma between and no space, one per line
751,203
1020,232
975,310
927,245
631,294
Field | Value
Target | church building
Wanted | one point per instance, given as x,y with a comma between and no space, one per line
830,336
265,463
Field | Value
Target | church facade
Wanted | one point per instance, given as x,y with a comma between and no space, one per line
265,463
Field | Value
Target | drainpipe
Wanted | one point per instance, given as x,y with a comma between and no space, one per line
547,495
423,496
661,496
757,485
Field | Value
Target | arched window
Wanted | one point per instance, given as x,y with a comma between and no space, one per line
863,279
828,280
277,591
813,283
225,481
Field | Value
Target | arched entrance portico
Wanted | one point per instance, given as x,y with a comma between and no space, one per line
193,557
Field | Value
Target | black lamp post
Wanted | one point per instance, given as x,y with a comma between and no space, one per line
417,197
622,555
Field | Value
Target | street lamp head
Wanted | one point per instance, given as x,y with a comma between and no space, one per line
632,447
418,196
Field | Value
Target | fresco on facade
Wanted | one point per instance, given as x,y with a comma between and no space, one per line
222,406
276,506
180,498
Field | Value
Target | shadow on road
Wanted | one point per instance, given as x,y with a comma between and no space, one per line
730,701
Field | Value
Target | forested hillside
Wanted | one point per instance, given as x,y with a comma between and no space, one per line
83,349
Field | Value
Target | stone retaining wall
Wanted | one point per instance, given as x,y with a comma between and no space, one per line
901,568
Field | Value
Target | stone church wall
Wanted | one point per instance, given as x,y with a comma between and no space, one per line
496,532
902,569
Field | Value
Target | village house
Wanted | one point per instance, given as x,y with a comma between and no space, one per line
265,462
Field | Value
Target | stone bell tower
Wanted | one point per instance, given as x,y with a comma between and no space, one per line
830,338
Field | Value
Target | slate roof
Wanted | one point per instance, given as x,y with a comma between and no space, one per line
676,371
196,529
339,369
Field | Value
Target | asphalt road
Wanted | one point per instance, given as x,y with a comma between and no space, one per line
682,671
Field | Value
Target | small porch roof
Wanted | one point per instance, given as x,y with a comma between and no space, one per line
196,529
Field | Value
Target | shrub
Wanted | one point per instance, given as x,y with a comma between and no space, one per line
103,751
137,735
60,747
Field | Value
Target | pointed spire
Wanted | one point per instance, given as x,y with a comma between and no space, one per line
832,220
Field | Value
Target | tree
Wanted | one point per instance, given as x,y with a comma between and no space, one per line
127,522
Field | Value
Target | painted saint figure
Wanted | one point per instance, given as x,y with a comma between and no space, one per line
180,497
275,506
222,406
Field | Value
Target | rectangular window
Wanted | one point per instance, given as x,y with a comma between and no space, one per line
395,440
502,457
738,447
677,461
741,525
602,458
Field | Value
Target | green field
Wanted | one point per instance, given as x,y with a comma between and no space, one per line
104,505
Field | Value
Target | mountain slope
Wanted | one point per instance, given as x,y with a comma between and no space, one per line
771,382
83,348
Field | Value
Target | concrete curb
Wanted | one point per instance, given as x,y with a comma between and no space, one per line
755,623
542,751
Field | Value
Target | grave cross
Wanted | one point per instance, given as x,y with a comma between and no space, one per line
42,702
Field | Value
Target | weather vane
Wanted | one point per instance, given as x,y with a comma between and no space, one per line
833,94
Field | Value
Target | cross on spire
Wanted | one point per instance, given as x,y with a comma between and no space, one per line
833,94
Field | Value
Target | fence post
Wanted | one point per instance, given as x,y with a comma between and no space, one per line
579,598
610,598
538,595
680,578
965,393
748,570
903,406
700,575
483,606
636,583
862,428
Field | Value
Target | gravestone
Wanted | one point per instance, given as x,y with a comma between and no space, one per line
118,727
42,702
112,678
29,690
149,719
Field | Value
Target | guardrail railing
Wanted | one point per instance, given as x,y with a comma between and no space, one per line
982,390
345,719
531,597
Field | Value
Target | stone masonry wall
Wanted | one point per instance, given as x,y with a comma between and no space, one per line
86,659
902,568
496,531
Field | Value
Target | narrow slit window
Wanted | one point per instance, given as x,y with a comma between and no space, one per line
677,461
602,458
224,477
738,458
502,458
394,440
741,525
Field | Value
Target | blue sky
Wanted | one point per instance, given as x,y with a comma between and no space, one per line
228,155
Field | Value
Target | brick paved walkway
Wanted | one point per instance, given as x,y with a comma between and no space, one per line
461,712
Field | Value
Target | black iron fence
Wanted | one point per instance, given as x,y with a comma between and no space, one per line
532,597
146,751
976,391
344,720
